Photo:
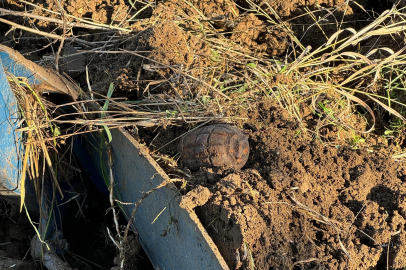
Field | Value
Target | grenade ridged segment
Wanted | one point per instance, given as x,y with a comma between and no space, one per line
219,146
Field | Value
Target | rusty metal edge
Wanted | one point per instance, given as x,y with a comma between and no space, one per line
46,80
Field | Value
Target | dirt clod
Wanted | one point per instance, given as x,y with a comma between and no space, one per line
304,203
197,197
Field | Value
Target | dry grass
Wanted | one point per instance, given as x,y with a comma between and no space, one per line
334,81
40,129
343,85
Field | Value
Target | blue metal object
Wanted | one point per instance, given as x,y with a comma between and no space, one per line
11,149
172,237
19,69
87,162
11,142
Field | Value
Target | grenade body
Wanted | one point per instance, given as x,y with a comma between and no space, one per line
214,146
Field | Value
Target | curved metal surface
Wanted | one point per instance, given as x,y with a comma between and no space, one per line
172,237
10,147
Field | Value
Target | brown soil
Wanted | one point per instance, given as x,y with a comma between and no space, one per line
167,43
302,204
298,203
101,11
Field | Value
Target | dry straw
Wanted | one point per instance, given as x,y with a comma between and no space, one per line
336,80
238,77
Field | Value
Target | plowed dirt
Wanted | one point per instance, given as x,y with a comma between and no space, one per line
298,203
302,204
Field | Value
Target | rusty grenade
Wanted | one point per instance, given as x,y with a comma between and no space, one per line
215,146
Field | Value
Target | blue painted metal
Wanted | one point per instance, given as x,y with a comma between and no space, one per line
10,143
44,80
20,70
172,237
88,164
11,146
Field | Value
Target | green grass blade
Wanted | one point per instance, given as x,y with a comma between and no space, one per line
105,108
